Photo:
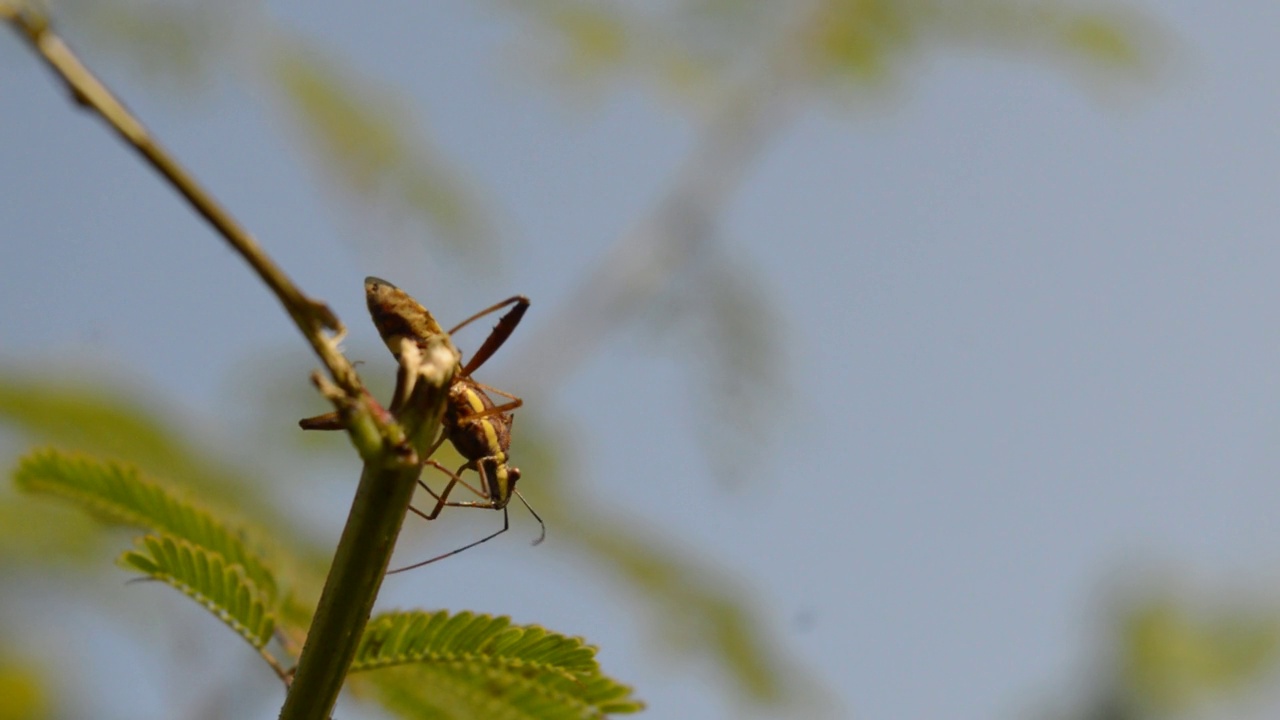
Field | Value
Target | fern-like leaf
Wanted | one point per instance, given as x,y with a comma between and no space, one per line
206,577
469,665
119,494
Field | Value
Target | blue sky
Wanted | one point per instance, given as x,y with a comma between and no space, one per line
1027,330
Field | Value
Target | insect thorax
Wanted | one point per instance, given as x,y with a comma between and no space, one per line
476,437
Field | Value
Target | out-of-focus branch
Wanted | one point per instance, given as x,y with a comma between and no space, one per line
681,223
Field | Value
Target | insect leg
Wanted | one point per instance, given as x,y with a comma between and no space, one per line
496,409
333,421
505,525
442,498
328,421
506,325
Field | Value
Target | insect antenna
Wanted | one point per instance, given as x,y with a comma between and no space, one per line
542,535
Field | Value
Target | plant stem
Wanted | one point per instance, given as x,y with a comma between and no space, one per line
391,450
360,563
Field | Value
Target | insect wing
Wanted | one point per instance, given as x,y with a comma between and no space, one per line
397,316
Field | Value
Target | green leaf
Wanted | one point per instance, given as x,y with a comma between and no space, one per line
94,420
118,494
101,419
206,577
469,665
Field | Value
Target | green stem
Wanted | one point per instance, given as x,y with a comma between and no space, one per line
392,452
360,563
349,593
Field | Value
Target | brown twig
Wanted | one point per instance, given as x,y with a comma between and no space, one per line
312,317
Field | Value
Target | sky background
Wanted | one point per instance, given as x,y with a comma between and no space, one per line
1026,324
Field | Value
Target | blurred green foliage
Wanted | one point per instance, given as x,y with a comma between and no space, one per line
475,666
708,54
1174,657
548,675
108,421
23,693
706,45
695,609
1168,654
366,142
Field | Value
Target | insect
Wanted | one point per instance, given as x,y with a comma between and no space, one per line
479,429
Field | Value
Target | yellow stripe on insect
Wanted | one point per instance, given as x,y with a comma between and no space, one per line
490,432
473,399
